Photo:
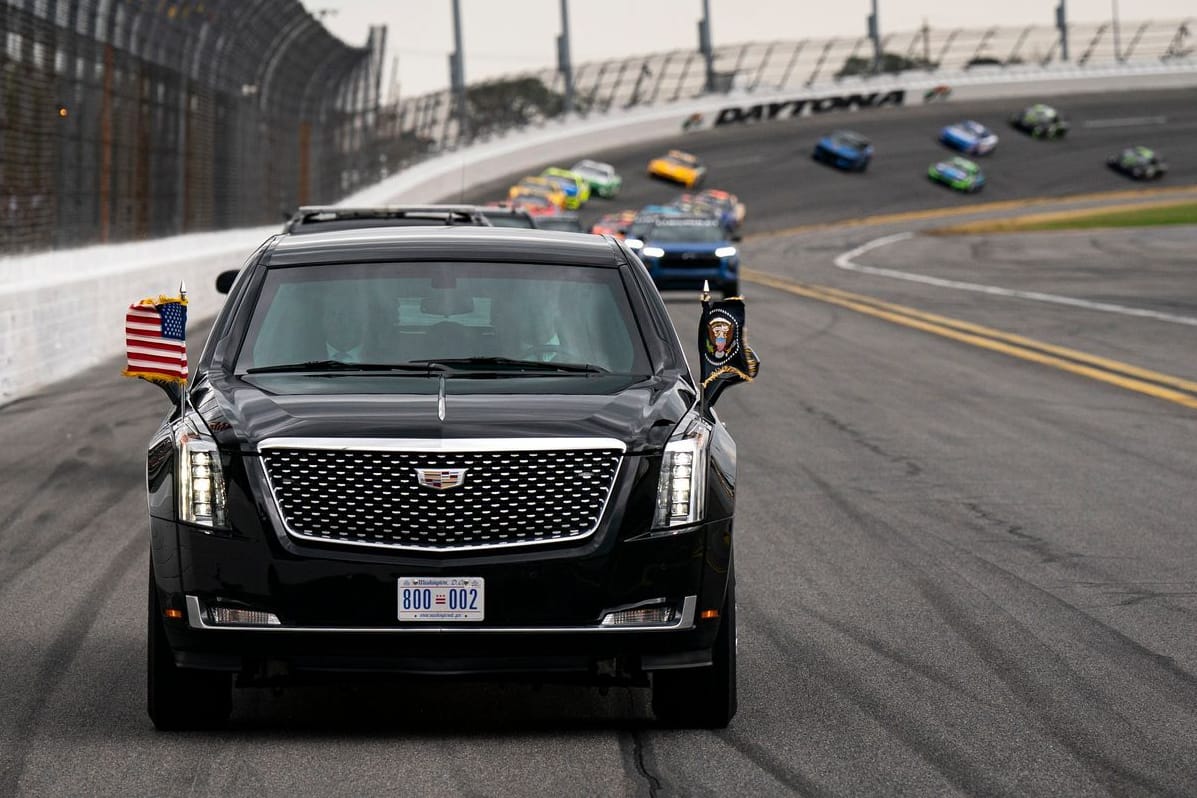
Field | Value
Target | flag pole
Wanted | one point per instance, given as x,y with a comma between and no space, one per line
705,298
183,386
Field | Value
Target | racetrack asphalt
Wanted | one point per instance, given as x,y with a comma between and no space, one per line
958,572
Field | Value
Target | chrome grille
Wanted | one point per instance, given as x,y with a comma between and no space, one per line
371,496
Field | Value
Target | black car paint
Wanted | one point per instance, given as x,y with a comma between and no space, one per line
256,564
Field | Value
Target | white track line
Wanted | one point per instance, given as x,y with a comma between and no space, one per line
1129,121
846,261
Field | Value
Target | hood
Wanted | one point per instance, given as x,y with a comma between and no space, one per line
639,411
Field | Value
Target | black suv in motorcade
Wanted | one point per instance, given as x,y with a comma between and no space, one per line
442,451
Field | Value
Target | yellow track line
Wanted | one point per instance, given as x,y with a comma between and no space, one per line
1111,372
982,207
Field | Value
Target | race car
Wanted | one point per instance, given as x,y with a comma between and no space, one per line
534,205
602,177
1041,121
577,190
726,204
1138,163
958,173
538,186
970,137
614,224
679,167
845,150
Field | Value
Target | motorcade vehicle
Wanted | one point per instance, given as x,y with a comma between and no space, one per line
450,452
508,215
562,222
688,251
969,137
1138,163
602,177
678,166
845,150
1040,121
577,190
957,173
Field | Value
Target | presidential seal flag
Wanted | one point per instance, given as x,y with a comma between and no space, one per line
156,340
723,342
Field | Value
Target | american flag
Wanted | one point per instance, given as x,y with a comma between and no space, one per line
155,340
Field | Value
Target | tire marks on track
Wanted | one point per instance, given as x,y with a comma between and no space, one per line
55,660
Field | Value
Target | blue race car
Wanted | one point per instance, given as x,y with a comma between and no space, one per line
845,150
686,251
969,137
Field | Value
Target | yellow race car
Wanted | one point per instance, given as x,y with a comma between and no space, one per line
538,186
678,167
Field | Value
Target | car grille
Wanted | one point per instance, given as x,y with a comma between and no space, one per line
690,260
506,498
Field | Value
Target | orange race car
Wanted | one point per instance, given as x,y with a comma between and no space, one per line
679,167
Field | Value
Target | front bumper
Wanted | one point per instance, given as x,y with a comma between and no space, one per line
664,278
338,610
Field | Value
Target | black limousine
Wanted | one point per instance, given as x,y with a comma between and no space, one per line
442,451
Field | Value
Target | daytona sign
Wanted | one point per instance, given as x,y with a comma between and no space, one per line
787,109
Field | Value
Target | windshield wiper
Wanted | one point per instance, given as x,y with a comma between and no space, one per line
422,367
515,364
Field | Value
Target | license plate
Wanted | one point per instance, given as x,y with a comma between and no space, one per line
438,599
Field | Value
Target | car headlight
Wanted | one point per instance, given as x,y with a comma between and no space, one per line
199,476
652,252
681,488
725,252
633,243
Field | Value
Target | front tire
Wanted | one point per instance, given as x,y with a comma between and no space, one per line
703,698
180,698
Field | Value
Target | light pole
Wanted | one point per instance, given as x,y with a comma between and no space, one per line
875,35
564,63
1062,26
457,74
1117,33
704,44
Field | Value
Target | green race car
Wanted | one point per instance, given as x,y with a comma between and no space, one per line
958,173
577,190
602,177
1040,121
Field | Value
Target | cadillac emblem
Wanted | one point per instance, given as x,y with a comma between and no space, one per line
440,478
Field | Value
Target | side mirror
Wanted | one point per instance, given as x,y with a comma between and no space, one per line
723,351
225,280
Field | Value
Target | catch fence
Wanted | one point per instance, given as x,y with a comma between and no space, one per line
430,122
126,119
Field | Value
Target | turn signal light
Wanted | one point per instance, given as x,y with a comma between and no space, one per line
709,614
235,616
173,614
641,616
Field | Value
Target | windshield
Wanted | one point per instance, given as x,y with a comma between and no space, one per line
395,313
686,233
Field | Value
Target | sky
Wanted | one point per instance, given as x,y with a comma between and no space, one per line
506,36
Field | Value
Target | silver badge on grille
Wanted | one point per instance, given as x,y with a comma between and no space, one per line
440,478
